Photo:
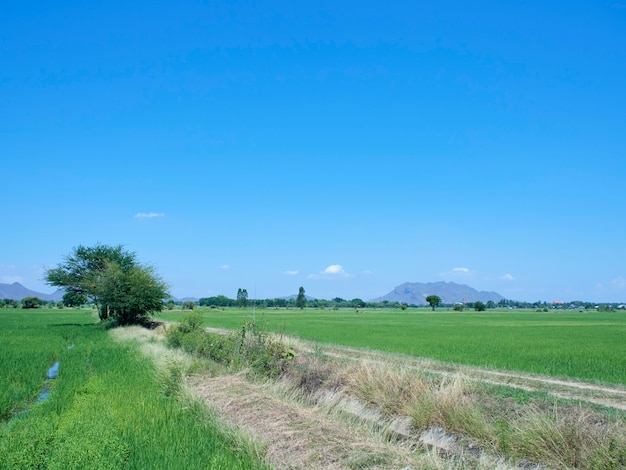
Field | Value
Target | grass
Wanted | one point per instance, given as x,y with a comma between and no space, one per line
109,406
497,422
504,422
586,345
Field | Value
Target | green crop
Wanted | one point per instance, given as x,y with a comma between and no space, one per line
583,345
107,407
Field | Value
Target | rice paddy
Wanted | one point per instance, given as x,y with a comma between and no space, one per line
580,345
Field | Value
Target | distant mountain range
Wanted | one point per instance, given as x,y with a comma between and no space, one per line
408,293
450,293
17,291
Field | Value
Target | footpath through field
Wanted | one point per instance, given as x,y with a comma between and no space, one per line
611,396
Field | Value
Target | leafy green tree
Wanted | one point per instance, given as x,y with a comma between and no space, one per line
358,303
479,306
242,298
112,277
188,305
31,302
301,299
433,301
8,303
74,299
458,307
491,304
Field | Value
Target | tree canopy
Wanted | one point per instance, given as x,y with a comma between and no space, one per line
113,279
433,301
242,297
301,299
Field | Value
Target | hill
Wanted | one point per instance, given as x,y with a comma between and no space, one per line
450,293
17,291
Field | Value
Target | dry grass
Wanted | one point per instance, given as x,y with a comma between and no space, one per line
376,411
391,390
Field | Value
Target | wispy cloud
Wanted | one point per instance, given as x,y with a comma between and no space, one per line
7,266
368,272
148,215
508,277
12,279
225,266
290,272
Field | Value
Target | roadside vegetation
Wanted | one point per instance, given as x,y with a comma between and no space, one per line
468,423
109,407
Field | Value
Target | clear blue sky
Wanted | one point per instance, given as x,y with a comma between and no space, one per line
346,147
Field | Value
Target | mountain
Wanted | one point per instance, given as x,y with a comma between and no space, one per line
450,293
17,291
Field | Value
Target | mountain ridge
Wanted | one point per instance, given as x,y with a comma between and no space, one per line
450,293
17,291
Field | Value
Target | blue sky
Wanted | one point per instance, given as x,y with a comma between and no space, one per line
346,147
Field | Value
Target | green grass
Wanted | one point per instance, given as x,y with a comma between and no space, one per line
587,345
107,409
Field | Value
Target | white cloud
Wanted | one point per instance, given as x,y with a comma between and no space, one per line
7,266
225,266
455,272
368,272
290,272
149,215
334,269
508,277
12,279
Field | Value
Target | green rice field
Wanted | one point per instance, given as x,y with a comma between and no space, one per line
108,408
582,345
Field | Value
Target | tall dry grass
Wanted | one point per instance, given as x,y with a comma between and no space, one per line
557,434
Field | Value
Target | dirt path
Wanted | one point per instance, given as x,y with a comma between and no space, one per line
605,395
612,396
297,437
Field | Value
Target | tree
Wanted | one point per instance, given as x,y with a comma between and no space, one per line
188,305
433,301
74,299
301,299
113,279
31,302
479,306
242,298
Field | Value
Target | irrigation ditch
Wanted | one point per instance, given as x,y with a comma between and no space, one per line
46,389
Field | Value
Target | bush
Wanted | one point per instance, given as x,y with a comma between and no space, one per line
250,347
31,302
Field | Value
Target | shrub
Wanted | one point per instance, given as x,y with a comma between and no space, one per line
250,347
